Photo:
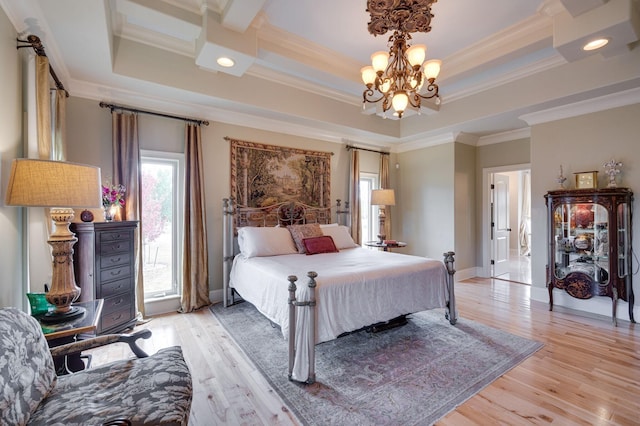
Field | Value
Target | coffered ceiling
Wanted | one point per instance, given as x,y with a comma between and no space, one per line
297,62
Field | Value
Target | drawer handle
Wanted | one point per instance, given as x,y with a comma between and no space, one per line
118,302
118,317
114,260
113,273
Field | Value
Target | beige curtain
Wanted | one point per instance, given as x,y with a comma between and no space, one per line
43,107
354,196
59,144
385,184
126,171
195,278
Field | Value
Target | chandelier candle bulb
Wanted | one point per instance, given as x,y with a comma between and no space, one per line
379,61
416,55
432,69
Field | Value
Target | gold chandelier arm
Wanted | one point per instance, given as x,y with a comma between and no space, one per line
367,96
431,91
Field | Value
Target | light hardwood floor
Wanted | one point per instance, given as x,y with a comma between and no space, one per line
588,372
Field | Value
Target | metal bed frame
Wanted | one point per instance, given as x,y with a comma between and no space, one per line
291,213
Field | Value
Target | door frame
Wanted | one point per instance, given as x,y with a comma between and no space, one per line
486,211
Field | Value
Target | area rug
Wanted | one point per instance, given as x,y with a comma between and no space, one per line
411,375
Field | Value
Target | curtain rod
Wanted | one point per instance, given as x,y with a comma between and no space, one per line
349,147
159,114
34,41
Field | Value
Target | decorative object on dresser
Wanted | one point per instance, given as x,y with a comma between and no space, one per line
590,244
586,180
612,169
105,269
561,179
382,198
112,200
61,186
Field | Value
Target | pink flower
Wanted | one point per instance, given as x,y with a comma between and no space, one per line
113,195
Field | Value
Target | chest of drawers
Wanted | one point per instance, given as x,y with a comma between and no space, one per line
104,261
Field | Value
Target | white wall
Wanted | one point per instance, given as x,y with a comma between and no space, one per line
13,284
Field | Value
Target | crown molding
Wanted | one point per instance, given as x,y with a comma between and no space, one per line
441,139
602,103
511,135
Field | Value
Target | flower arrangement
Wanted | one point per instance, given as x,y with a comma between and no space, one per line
113,195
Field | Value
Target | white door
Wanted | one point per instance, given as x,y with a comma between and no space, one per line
500,224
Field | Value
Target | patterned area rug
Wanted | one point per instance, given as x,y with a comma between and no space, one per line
411,375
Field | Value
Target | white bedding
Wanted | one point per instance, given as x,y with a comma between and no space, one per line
355,287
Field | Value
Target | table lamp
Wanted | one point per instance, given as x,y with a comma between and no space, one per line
61,186
382,198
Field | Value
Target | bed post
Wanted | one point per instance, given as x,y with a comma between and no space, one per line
342,216
311,344
312,326
292,322
227,247
452,313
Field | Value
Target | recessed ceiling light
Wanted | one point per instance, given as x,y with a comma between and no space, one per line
223,61
596,44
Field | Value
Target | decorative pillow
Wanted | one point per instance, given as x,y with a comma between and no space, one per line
265,241
317,245
300,232
328,225
341,236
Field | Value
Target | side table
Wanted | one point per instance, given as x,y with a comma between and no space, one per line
385,246
67,332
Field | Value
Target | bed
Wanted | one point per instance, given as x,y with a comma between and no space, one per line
347,287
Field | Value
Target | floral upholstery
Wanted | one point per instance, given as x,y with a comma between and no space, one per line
27,372
146,391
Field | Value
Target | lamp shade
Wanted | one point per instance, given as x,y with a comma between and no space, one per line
45,183
383,197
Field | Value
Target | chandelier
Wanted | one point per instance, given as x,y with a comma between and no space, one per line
400,77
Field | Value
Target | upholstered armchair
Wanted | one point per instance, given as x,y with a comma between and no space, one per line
152,390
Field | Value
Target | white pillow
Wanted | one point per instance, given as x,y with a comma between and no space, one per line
341,236
265,241
328,225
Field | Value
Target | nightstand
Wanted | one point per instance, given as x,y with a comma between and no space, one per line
67,332
385,246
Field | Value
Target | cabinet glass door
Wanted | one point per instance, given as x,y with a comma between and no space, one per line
581,241
623,239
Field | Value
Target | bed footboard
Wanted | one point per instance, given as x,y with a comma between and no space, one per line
306,345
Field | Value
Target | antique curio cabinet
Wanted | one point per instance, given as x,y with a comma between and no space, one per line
589,240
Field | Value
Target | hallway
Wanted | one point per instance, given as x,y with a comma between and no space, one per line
519,269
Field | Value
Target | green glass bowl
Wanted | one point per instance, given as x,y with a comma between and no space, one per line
39,304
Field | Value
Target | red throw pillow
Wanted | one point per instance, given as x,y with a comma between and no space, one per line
317,245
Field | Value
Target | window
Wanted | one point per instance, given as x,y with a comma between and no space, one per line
368,181
161,224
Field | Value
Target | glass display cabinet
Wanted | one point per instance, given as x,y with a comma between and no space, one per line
590,244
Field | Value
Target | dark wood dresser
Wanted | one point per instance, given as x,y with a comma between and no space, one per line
104,261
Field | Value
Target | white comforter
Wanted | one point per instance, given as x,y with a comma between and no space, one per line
355,287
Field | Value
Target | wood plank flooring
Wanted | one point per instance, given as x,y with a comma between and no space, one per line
588,373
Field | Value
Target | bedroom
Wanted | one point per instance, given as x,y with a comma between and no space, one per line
433,180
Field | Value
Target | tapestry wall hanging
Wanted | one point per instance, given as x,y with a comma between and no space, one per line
263,175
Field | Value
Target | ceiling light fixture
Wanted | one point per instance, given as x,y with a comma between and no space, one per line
596,44
398,77
223,61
